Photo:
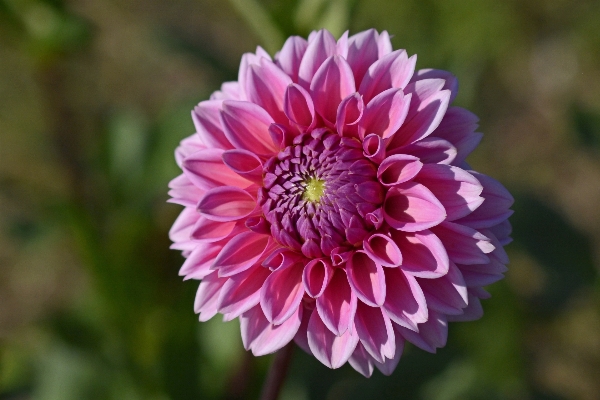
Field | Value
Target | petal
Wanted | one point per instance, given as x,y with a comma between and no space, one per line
212,231
282,292
181,230
384,44
375,332
431,150
366,278
229,91
299,108
374,148
361,361
316,277
337,305
265,86
184,192
405,304
447,294
390,364
432,334
457,190
207,120
265,338
240,253
363,51
246,125
244,163
198,264
423,254
320,46
472,312
241,292
207,296
349,112
385,113
393,70
301,337
290,56
332,82
226,203
398,169
463,244
331,350
412,207
451,81
206,170
383,250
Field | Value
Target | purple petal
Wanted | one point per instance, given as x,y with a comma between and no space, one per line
447,294
385,113
212,231
423,254
451,81
362,52
282,292
361,361
265,86
348,115
405,305
246,126
375,332
431,150
383,250
337,305
198,264
240,253
393,70
207,296
320,46
390,364
464,245
366,278
432,334
332,82
332,350
263,337
398,169
205,168
299,108
226,203
316,277
244,163
374,148
242,291
412,207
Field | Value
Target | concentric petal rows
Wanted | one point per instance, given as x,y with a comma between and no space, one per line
414,233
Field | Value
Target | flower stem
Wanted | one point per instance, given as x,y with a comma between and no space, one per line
277,373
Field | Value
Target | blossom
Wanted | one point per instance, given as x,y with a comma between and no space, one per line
328,201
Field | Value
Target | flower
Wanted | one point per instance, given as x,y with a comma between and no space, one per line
328,201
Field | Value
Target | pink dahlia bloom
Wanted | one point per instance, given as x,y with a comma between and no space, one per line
327,201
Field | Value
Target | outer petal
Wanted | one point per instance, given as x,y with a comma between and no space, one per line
241,292
290,56
366,278
448,294
332,82
265,338
405,304
282,292
431,150
375,331
384,44
451,81
337,305
244,163
184,192
198,264
393,70
361,361
412,207
207,120
432,334
385,113
265,86
464,245
320,46
246,126
331,350
398,168
423,254
181,231
390,364
299,108
240,253
213,231
226,203
363,51
207,296
205,168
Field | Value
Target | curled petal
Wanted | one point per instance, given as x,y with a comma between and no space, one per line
367,279
316,277
374,148
375,332
412,207
398,169
385,113
240,253
348,115
337,305
226,203
299,108
244,163
332,350
332,82
423,254
383,250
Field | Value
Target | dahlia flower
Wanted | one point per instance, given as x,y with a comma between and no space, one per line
328,201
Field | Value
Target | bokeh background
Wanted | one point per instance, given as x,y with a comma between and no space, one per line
94,97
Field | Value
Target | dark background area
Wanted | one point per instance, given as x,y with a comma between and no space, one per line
94,97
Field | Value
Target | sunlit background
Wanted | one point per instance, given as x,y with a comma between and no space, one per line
94,97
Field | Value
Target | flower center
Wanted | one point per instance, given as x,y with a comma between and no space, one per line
314,189
320,194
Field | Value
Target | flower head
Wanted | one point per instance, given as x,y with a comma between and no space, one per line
327,201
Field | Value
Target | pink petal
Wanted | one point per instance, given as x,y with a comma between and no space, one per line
316,277
181,231
240,253
207,296
244,163
265,86
405,304
246,125
348,115
362,52
282,292
412,207
207,120
390,364
472,312
265,338
427,108
366,278
342,45
361,361
398,169
241,292
374,148
457,190
290,56
451,81
320,46
432,334
187,146
384,44
301,337
375,332
385,113
226,203
447,294
198,264
393,70
183,192
431,150
332,82
299,108
229,91
423,254
464,245
205,168
383,250
331,350
212,231
495,207
337,305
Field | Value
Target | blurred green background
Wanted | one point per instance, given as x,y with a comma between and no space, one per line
94,97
